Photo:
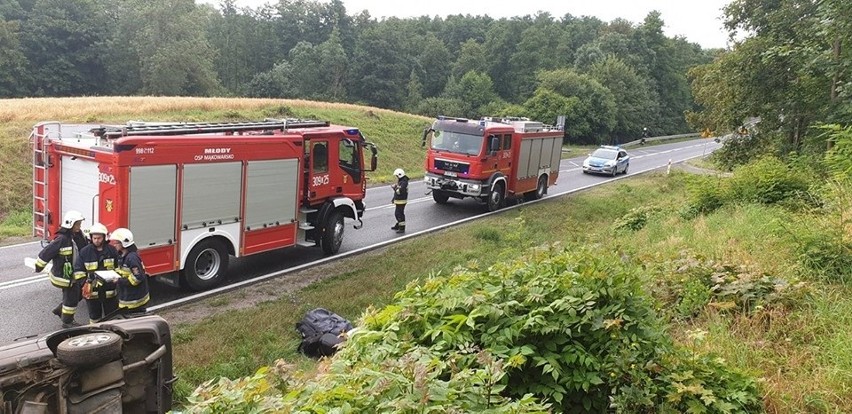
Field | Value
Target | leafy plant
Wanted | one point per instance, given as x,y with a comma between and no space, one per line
636,218
767,181
691,284
706,194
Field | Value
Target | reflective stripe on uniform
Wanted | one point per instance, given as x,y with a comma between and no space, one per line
401,223
109,264
40,263
91,266
59,281
96,295
132,304
68,310
79,275
400,202
66,251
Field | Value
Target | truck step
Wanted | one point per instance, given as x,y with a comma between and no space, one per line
307,210
306,226
305,243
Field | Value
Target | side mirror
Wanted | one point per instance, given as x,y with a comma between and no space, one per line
374,158
423,138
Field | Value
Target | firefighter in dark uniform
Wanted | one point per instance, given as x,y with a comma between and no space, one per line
62,251
400,199
99,255
132,286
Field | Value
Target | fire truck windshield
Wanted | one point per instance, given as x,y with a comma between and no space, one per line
456,142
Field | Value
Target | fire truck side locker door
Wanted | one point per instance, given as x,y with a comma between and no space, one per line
152,195
523,158
555,159
272,196
210,204
80,188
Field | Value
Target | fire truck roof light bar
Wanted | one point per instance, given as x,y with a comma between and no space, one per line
198,128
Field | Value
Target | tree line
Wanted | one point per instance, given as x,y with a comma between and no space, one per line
610,79
793,72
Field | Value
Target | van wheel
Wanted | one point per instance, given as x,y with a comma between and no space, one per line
332,233
440,197
206,266
496,197
92,349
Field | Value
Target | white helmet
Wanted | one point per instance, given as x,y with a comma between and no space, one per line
71,217
123,235
98,228
399,173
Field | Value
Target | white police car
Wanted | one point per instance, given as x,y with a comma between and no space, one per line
607,159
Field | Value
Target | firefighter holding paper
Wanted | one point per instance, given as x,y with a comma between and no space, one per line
99,255
62,252
132,286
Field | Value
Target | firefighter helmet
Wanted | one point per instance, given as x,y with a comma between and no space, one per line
399,173
98,228
123,235
71,217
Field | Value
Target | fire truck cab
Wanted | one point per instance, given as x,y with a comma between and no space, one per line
491,159
194,194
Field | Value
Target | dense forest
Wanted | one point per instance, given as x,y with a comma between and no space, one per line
610,79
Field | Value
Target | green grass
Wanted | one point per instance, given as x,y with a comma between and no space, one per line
801,352
16,224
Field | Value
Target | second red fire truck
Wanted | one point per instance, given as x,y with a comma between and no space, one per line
195,194
491,159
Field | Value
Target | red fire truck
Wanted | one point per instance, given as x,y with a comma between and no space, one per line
491,159
194,194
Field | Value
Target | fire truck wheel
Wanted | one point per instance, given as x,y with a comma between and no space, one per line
332,235
440,197
540,190
91,349
205,266
496,197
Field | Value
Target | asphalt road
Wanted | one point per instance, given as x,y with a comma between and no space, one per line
26,298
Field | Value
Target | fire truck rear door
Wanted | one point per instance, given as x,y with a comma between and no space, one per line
80,187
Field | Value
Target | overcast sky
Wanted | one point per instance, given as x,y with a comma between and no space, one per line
697,21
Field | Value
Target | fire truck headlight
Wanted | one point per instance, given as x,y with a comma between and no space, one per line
473,187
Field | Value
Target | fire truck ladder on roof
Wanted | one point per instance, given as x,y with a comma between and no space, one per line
41,160
206,127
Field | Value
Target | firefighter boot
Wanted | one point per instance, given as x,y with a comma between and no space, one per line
57,310
400,229
68,320
395,226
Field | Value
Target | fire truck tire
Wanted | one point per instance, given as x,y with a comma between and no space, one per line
91,349
496,197
440,197
540,190
205,266
332,234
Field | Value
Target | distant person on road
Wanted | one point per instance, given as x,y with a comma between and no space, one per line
132,287
400,199
99,255
645,135
62,251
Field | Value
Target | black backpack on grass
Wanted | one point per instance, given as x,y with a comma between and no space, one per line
320,330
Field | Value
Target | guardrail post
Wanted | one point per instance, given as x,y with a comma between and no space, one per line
669,167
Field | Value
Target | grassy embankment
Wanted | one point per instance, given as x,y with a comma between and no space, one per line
397,135
801,351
